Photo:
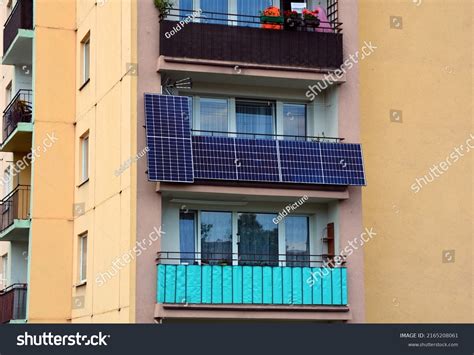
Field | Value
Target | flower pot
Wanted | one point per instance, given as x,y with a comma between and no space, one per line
271,22
293,23
312,22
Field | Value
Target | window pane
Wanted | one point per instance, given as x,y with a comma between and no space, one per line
214,116
187,234
85,159
294,121
258,239
218,11
86,49
297,241
251,8
186,8
83,266
216,237
255,117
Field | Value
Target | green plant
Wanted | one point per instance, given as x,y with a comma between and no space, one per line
163,7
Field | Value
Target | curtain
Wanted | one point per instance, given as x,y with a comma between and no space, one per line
214,116
297,241
256,118
248,8
216,237
258,239
186,8
294,121
217,6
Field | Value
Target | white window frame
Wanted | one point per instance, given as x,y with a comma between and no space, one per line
82,262
84,158
86,58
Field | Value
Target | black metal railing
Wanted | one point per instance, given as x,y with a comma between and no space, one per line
250,259
21,17
244,39
16,205
198,132
13,303
19,109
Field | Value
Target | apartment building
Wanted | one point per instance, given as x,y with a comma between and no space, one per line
251,186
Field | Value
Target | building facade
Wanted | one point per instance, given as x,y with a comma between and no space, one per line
260,244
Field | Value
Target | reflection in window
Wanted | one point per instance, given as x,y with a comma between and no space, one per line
187,233
257,117
214,116
297,241
294,121
216,237
258,239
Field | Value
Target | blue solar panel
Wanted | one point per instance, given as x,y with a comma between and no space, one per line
301,162
342,164
214,158
257,160
168,138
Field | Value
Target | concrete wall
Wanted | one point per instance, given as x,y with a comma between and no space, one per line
419,268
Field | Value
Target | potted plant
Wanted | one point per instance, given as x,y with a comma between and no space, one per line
163,7
293,20
311,18
271,18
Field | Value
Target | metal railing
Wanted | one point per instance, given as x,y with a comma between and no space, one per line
19,109
16,205
13,303
249,259
21,17
241,20
198,132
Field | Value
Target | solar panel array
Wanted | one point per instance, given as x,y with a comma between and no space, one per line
177,156
168,138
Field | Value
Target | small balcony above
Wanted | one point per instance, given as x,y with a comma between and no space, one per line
17,123
15,214
13,303
18,34
228,39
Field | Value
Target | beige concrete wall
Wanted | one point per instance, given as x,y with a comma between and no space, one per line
105,108
422,67
52,174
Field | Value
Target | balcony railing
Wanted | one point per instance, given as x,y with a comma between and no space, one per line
21,17
257,279
18,110
15,206
241,38
13,303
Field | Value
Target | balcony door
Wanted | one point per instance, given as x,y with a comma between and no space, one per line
257,239
257,118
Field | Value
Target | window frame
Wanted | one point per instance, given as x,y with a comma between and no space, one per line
82,258
85,60
84,147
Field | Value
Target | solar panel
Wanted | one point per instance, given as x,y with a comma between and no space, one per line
168,138
175,155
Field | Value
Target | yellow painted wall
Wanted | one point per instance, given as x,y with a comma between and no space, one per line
423,67
106,108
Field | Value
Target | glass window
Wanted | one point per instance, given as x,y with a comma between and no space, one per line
83,257
294,121
297,241
85,157
256,118
214,11
4,273
185,8
216,237
214,116
258,239
247,9
86,44
187,235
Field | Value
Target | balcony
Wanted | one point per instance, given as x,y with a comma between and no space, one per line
15,215
186,279
240,39
17,123
13,303
18,34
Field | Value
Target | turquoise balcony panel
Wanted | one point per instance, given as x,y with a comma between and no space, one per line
255,285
